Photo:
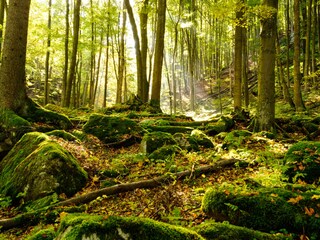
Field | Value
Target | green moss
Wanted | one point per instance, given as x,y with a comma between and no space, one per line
199,138
302,162
63,134
226,231
170,129
44,234
97,227
264,209
37,167
109,128
224,124
154,140
164,152
235,138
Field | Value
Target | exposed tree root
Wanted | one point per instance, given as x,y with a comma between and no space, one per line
36,216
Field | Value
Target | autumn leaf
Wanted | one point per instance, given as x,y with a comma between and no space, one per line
315,197
309,211
295,200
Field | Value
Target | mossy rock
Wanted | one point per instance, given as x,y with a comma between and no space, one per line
13,126
110,128
63,134
170,129
154,140
37,167
224,124
74,227
226,231
303,162
183,141
164,152
235,138
82,136
199,138
264,209
44,234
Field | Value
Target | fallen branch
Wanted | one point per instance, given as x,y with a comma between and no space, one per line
34,217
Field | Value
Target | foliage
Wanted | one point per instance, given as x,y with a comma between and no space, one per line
303,162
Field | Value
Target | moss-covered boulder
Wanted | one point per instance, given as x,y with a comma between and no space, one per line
110,128
226,231
44,234
235,138
199,138
62,134
154,140
265,209
37,167
164,152
302,162
224,124
74,227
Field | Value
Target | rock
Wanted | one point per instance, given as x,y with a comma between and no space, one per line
164,152
154,140
200,139
110,128
303,162
224,124
44,234
63,134
37,167
226,231
264,209
81,226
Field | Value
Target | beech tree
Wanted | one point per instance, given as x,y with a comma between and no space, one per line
12,73
266,80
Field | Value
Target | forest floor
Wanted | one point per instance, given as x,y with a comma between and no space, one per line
179,202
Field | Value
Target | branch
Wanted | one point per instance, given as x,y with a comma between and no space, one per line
34,217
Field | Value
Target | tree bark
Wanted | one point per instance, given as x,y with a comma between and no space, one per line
266,82
3,5
158,57
47,64
76,28
296,59
12,73
66,55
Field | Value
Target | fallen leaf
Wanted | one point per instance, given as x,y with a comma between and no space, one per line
295,200
309,211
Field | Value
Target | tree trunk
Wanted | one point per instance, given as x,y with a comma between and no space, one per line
47,64
144,50
66,55
266,82
12,73
2,11
71,76
238,51
158,57
296,59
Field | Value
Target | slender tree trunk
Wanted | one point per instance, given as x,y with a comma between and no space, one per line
158,58
66,55
238,50
47,63
296,59
122,61
288,20
308,41
137,49
12,73
106,75
266,82
76,28
144,50
3,5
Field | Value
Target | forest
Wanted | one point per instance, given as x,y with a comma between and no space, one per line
159,119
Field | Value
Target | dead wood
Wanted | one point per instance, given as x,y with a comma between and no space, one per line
34,217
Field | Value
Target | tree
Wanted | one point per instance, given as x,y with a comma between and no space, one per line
47,64
266,80
158,58
72,68
297,96
12,73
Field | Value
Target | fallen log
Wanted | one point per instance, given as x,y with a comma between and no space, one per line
35,216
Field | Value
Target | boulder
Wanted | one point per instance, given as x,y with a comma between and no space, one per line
302,162
110,128
154,140
265,209
37,167
165,152
81,226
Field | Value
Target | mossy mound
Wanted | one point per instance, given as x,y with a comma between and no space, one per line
154,140
74,227
224,124
36,167
303,162
199,138
110,128
265,209
63,134
44,234
164,152
226,231
235,138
